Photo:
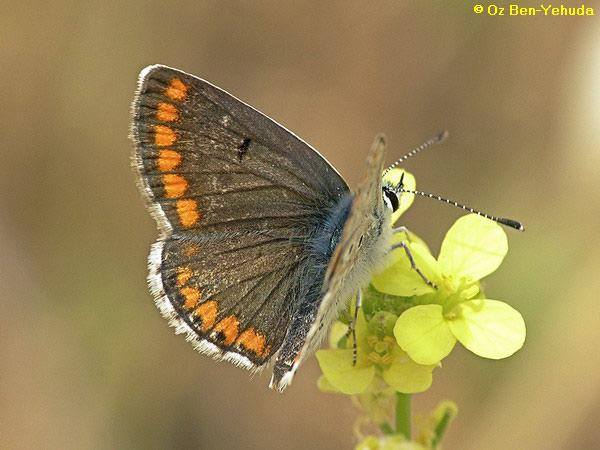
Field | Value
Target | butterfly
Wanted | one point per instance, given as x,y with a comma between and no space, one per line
261,241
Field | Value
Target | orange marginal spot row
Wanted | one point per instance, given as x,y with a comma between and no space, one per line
250,339
174,185
167,159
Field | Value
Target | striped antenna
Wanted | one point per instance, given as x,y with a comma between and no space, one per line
508,222
434,140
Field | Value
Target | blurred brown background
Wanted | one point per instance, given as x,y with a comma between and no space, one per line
86,361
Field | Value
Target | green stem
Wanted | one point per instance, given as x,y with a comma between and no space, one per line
403,414
440,429
386,428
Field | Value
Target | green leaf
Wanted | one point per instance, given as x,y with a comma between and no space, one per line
444,413
473,247
423,333
489,328
341,374
407,376
434,425
374,301
393,177
381,324
399,278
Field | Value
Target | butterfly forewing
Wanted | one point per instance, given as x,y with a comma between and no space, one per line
211,161
234,195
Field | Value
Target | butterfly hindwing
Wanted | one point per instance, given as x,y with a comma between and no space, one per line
235,295
234,195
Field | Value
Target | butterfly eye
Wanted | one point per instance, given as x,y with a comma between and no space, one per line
390,198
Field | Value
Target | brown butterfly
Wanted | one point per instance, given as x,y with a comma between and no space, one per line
261,241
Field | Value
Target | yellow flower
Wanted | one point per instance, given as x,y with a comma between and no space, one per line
473,248
378,357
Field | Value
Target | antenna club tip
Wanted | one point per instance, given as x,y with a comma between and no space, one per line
513,224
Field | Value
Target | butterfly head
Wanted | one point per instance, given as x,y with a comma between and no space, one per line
391,194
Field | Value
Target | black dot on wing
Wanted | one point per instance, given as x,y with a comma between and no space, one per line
243,148
220,336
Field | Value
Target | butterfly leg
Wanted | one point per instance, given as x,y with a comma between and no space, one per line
402,229
404,246
352,327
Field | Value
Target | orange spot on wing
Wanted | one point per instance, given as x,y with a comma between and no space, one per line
164,136
229,327
191,295
207,312
183,275
168,160
190,250
166,112
176,90
187,210
252,341
175,185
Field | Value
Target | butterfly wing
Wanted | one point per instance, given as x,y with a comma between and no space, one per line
234,194
361,249
365,220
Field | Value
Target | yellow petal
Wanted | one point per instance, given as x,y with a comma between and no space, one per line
489,328
473,248
341,374
407,376
423,333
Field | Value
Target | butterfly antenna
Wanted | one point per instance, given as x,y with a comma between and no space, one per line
434,140
508,222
